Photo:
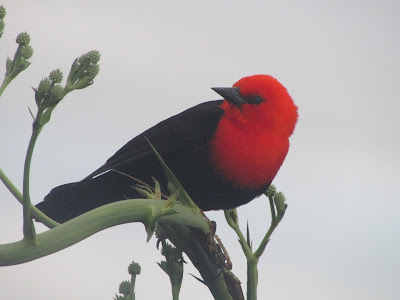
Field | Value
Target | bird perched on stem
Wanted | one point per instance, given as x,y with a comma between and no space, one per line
225,153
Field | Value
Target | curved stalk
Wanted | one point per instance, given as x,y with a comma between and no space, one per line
28,227
79,228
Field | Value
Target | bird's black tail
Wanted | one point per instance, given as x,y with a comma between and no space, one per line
70,200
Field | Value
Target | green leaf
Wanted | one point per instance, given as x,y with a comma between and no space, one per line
150,228
248,236
22,66
8,65
144,191
157,189
45,117
163,266
74,70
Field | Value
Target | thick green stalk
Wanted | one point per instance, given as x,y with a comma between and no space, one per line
79,228
213,277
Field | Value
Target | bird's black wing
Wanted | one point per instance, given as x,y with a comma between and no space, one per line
181,140
182,132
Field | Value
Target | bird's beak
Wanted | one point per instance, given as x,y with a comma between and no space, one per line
231,94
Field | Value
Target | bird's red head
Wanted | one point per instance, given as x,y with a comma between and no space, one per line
260,100
252,138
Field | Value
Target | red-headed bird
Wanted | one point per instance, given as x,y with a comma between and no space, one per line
225,153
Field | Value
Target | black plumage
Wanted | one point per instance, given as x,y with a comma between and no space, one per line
182,141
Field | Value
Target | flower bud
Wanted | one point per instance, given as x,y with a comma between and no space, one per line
44,85
2,12
57,92
82,59
23,39
231,216
93,71
56,76
271,191
280,204
125,287
134,268
93,57
27,52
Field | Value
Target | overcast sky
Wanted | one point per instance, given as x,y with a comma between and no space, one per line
340,61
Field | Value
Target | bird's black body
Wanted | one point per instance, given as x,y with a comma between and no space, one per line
183,143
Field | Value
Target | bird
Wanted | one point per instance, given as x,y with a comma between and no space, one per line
225,153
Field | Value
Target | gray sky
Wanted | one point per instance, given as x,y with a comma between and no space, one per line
340,62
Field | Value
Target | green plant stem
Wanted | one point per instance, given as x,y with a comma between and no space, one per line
272,207
5,83
253,257
11,72
79,228
16,61
133,281
175,292
252,277
275,220
252,260
242,240
211,274
11,187
39,216
28,227
265,240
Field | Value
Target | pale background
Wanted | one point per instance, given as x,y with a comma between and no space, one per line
340,60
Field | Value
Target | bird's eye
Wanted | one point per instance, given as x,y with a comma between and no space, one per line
256,99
